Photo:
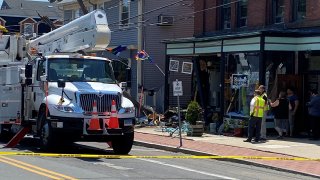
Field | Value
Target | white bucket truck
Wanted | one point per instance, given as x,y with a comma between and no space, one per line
52,96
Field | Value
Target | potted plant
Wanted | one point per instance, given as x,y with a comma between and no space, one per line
239,128
192,116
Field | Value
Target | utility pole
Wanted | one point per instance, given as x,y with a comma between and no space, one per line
140,24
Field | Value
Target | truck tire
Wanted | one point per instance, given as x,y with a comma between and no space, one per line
2,133
5,136
122,144
47,139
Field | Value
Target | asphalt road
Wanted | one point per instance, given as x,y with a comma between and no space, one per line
35,167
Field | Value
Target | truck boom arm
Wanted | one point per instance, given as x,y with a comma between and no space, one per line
88,33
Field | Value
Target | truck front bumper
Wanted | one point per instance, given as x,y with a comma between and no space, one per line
78,127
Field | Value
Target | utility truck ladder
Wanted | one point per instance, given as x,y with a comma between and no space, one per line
87,33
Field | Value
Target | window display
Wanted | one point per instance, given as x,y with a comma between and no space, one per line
241,79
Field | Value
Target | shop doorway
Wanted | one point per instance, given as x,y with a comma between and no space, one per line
207,84
284,82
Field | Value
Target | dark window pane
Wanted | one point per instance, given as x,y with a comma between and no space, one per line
124,12
242,13
301,10
226,14
278,11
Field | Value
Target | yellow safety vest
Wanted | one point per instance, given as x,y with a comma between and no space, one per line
259,107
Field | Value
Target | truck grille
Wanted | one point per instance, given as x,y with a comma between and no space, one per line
103,102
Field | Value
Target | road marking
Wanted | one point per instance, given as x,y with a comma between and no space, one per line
188,169
34,169
25,168
112,166
155,157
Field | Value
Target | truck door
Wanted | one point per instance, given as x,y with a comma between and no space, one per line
39,90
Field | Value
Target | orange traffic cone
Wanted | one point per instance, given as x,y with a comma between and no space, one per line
94,121
113,121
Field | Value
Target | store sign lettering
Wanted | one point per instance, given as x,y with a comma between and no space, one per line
240,80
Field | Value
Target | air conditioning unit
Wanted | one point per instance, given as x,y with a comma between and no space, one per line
165,20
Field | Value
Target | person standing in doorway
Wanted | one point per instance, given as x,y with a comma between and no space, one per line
314,113
263,137
293,104
281,113
257,108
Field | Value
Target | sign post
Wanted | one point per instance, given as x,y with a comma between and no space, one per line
177,91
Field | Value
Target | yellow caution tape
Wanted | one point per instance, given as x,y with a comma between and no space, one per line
153,157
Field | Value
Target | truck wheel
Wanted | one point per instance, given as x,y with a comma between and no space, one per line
1,132
47,139
5,135
123,144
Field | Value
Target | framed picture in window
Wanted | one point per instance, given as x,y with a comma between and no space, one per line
187,67
174,65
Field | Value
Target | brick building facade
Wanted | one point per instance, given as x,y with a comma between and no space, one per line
270,42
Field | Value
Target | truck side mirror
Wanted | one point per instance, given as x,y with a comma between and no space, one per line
128,77
43,78
123,85
61,84
28,74
28,71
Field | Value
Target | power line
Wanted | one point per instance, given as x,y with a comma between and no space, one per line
183,17
192,13
150,11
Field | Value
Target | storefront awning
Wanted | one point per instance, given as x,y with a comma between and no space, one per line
241,43
292,43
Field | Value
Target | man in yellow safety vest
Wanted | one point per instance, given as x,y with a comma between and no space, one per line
257,108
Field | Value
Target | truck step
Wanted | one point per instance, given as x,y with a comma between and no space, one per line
18,137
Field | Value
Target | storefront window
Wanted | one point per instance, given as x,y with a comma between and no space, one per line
279,65
314,63
313,77
241,79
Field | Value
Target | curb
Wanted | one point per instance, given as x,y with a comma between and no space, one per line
199,153
283,154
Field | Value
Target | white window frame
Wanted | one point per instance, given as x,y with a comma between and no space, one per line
76,13
90,8
24,28
71,18
121,12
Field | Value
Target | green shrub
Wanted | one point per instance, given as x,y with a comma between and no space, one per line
193,112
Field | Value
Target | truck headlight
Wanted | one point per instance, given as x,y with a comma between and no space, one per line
127,110
64,108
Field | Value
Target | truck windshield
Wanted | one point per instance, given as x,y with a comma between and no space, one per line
80,70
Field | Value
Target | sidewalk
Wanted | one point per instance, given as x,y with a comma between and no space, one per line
234,146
